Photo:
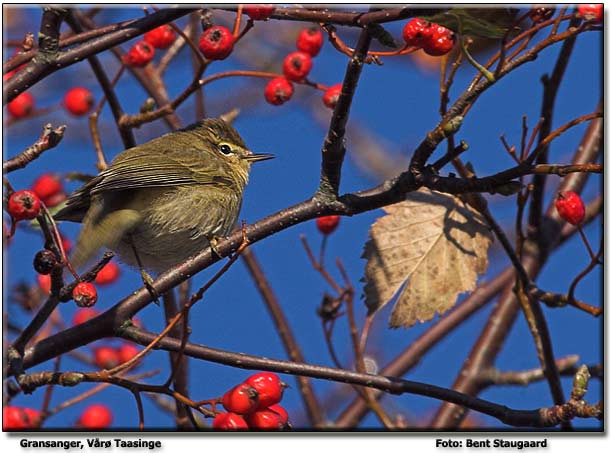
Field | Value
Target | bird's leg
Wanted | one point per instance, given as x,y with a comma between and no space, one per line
245,240
213,240
144,275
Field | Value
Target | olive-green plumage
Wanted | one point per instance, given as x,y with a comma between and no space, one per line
166,198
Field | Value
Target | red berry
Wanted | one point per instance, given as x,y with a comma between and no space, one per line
441,41
66,244
127,351
297,66
85,294
284,415
18,418
22,105
278,91
8,75
310,41
23,205
265,420
139,55
592,11
332,95
269,386
241,399
15,419
570,207
33,416
109,273
228,421
44,281
327,224
84,315
161,37
259,12
78,101
106,357
95,416
12,418
216,43
416,32
47,186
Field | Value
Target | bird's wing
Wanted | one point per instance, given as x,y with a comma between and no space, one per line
160,169
140,167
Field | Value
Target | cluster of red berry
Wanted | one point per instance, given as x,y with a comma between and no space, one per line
296,66
141,53
434,39
253,404
217,41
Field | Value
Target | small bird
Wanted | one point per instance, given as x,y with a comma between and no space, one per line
160,202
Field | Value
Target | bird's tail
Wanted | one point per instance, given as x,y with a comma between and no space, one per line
106,231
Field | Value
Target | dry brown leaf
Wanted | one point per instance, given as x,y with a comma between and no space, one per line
435,243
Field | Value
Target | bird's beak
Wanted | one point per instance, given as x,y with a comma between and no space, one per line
258,157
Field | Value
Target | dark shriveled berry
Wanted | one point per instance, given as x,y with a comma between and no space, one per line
44,262
540,13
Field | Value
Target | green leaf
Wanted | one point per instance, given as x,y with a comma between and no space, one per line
483,22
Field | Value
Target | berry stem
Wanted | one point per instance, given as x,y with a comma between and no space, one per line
323,248
261,74
373,54
586,271
58,240
102,163
249,24
237,22
318,86
587,243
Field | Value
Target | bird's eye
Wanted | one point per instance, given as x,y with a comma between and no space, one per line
225,149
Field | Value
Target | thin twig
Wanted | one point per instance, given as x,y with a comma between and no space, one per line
49,138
